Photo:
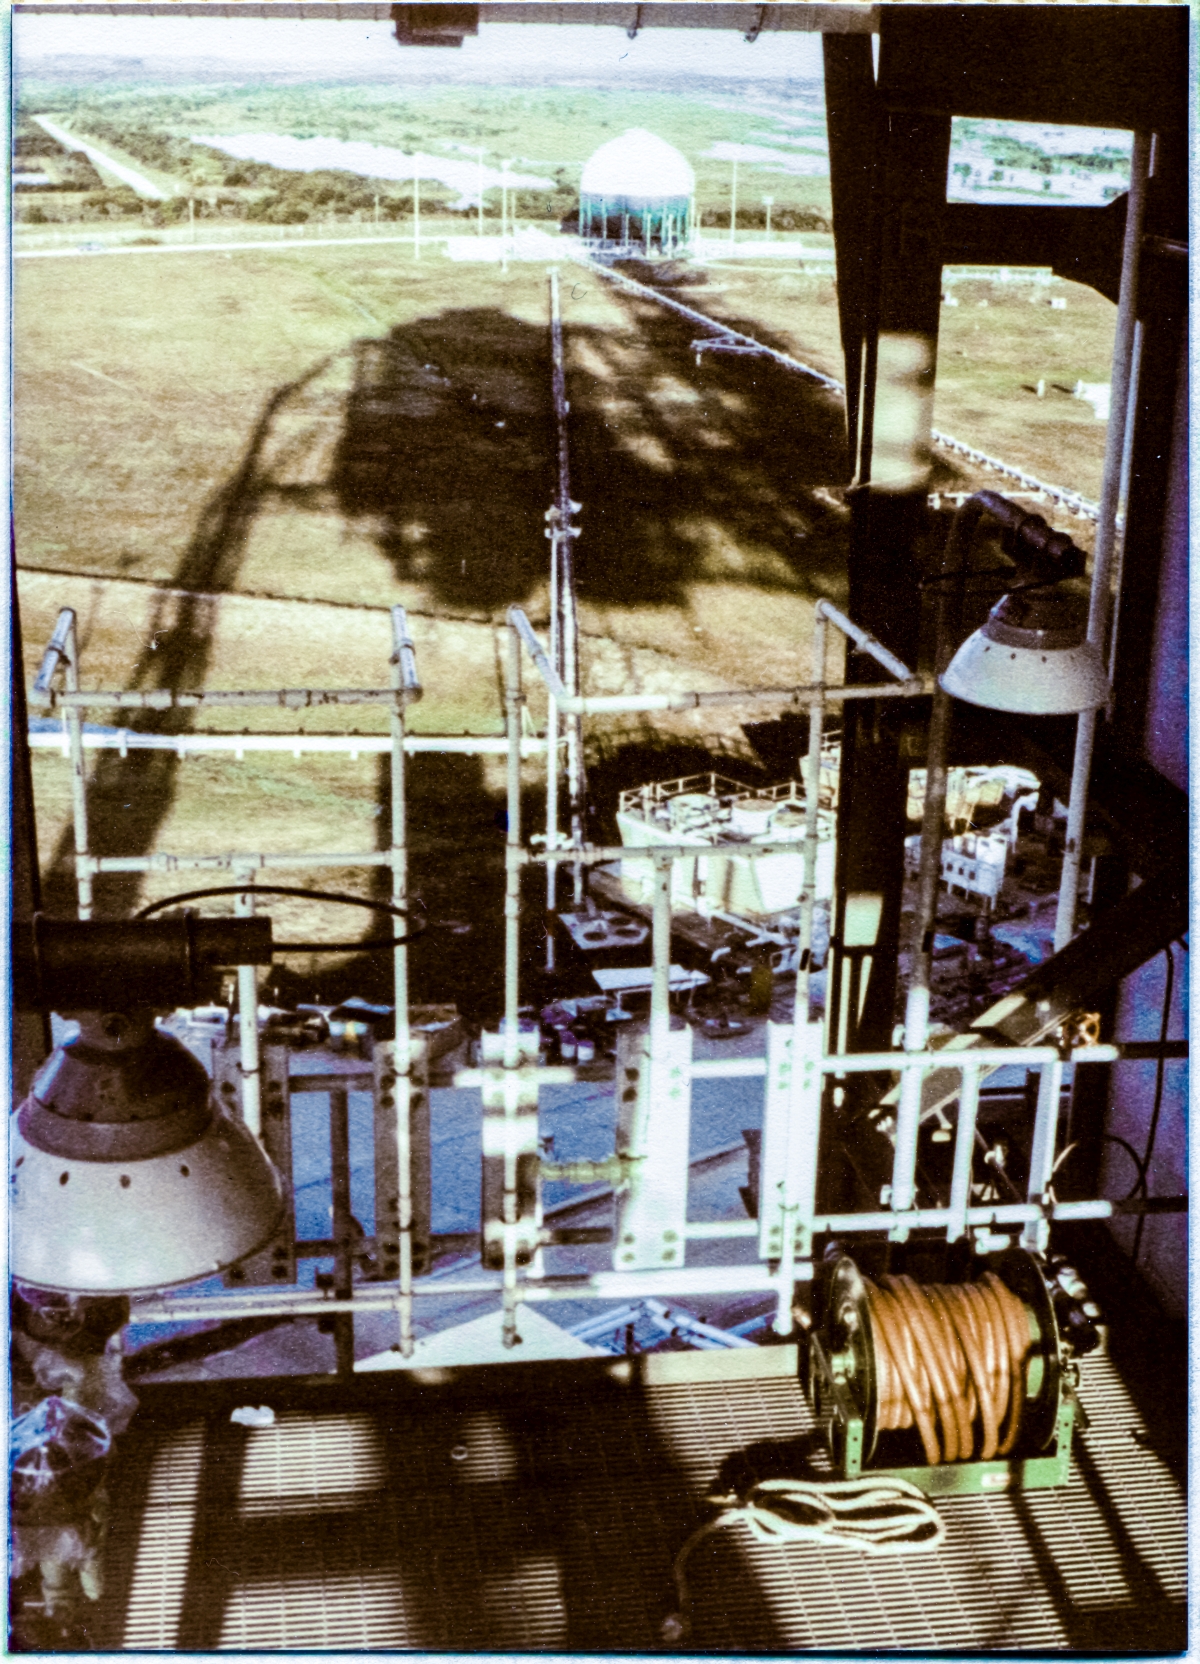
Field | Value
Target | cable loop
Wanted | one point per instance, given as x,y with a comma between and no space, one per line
874,1516
341,897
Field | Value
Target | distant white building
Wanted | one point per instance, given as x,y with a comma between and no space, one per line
636,191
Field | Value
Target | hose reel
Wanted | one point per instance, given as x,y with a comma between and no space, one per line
956,1387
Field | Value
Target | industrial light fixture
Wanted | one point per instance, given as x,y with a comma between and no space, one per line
1032,656
125,1174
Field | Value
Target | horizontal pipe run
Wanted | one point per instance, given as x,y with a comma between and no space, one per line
1072,501
716,1230
987,1057
356,1080
169,699
615,1285
600,1285
909,686
728,1068
749,1068
865,641
229,863
724,336
125,739
555,1074
595,854
1006,1213
608,704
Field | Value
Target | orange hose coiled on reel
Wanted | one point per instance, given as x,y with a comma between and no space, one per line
950,1359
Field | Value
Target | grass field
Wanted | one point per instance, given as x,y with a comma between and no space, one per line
551,130
232,464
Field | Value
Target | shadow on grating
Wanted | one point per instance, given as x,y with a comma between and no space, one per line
543,1512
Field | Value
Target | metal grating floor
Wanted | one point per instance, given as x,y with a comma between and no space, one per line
539,1507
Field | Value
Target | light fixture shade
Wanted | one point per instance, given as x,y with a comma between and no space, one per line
124,1177
1031,657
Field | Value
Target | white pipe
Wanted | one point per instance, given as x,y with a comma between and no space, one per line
812,793
692,699
660,956
248,1060
235,863
125,739
1122,503
622,703
865,641
964,1151
1106,531
70,664
167,699
404,676
600,1285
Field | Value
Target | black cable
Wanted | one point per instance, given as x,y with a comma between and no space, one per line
1139,1165
339,896
999,586
1159,1076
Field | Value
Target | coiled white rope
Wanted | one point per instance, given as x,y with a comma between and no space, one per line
874,1516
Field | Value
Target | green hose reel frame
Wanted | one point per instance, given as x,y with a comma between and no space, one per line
842,1391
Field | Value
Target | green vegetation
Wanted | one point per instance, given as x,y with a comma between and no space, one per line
550,131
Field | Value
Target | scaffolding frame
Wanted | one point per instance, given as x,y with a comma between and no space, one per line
651,1161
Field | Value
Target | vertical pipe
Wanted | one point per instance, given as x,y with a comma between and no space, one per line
1041,1155
512,948
1123,502
569,622
660,975
964,1150
416,216
403,668
70,664
481,190
908,1119
812,804
1106,530
247,977
733,206
339,1167
916,1013
551,824
512,887
552,719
